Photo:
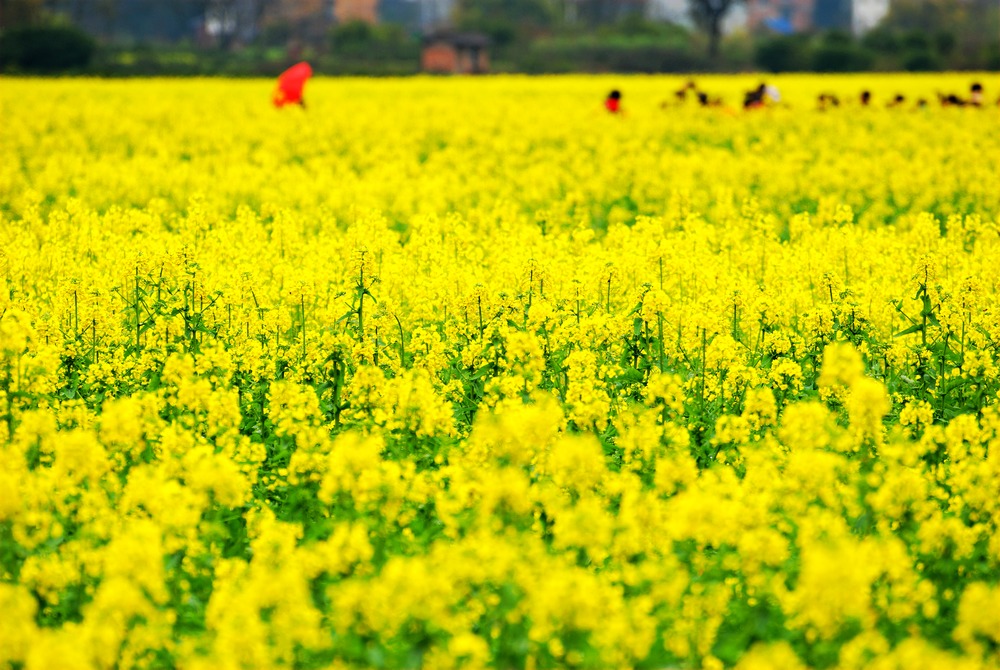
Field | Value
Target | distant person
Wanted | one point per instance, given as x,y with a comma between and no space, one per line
921,103
755,99
291,84
681,93
950,100
827,100
866,98
613,103
976,95
760,96
897,100
705,100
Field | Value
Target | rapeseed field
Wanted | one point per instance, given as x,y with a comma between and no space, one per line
466,373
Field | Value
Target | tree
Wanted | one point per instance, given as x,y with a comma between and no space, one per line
45,49
709,14
108,10
228,21
959,31
188,11
597,12
524,14
16,13
781,53
505,21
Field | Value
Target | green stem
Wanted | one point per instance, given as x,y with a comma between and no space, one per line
402,349
337,382
479,301
361,302
701,391
659,333
138,324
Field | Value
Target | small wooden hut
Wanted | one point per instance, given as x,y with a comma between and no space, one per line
455,53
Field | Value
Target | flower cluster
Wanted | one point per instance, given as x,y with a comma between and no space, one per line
438,380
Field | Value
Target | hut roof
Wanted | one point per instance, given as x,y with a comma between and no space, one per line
457,39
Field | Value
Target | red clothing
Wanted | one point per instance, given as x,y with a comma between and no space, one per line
612,105
290,85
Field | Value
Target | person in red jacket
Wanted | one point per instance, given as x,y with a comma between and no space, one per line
613,103
290,85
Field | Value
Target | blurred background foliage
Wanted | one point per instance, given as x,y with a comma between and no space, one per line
385,37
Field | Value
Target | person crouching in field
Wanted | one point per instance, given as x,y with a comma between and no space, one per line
976,95
613,103
950,100
826,100
754,99
760,96
291,83
706,101
703,98
681,93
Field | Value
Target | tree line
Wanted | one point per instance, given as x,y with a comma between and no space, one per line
248,37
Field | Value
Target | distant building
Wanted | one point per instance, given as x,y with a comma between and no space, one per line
435,14
356,10
800,15
674,11
832,14
867,14
796,13
455,53
405,13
